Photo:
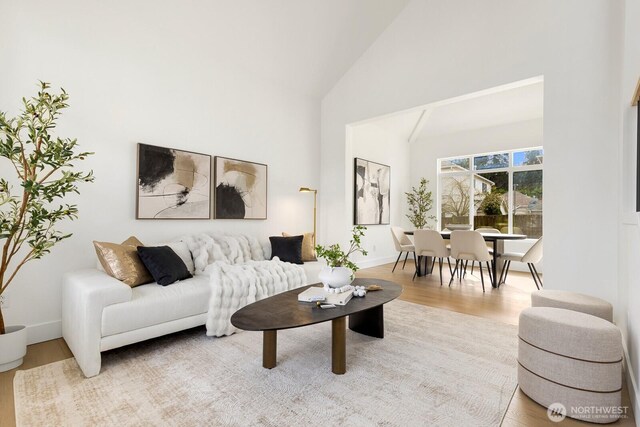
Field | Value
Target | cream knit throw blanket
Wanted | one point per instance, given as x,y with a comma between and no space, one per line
239,274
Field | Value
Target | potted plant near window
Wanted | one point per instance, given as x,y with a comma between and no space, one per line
340,270
44,174
420,203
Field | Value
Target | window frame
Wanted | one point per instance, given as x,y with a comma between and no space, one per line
471,172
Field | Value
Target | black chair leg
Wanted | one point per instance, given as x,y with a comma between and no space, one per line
472,264
455,270
537,275
506,272
405,260
415,262
394,265
481,275
440,263
433,264
502,278
450,270
490,270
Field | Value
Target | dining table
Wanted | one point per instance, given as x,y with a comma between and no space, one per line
497,239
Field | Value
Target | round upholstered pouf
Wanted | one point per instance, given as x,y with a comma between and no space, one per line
571,358
573,301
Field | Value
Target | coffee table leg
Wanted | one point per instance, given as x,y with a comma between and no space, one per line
269,345
369,322
338,345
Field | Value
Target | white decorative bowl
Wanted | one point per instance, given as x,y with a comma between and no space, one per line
336,277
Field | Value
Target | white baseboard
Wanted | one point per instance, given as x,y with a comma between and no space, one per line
631,382
44,331
377,261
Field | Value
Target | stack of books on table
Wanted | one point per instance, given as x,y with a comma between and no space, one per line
314,294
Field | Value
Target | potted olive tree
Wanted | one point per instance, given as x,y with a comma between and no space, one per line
420,203
340,270
41,167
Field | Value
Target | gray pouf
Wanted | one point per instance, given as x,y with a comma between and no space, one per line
573,301
571,358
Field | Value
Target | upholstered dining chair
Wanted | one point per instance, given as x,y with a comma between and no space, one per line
469,246
489,244
402,244
531,257
430,243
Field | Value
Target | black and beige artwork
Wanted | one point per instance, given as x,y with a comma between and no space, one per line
372,188
173,184
241,189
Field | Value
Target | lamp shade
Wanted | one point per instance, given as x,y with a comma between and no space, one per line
307,190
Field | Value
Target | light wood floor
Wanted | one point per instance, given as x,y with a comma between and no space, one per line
503,304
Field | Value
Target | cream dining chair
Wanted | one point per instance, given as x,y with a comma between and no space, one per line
531,257
402,244
429,243
489,244
469,246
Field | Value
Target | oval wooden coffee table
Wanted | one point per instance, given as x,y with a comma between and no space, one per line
284,311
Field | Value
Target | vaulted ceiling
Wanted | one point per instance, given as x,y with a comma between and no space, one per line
304,44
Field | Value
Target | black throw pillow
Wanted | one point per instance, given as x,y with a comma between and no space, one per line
288,249
164,264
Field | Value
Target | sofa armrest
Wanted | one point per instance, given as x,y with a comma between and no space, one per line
85,293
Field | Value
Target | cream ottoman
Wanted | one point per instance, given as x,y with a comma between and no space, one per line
573,301
571,358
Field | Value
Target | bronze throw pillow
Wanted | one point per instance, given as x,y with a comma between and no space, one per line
122,261
308,251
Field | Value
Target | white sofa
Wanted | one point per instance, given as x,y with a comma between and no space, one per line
101,313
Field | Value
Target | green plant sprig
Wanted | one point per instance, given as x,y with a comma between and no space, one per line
336,257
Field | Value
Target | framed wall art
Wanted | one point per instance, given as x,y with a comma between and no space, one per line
372,183
172,184
241,189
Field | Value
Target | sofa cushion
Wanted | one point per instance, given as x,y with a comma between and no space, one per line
308,250
122,262
182,250
288,249
164,264
153,304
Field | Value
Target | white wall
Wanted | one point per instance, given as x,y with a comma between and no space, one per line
374,143
629,229
136,74
437,50
426,151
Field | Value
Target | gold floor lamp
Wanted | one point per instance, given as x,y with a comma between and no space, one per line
315,204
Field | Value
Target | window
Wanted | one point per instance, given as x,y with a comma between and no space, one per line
494,190
455,201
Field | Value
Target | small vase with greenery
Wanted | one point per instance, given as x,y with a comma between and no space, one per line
340,268
420,203
44,174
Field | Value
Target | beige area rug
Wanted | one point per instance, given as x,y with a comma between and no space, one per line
434,367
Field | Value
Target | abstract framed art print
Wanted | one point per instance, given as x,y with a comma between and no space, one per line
173,184
372,183
241,189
